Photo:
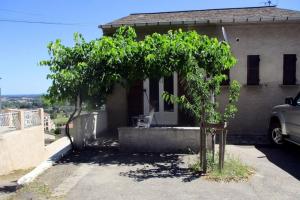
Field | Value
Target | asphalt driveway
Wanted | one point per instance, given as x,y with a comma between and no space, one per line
105,173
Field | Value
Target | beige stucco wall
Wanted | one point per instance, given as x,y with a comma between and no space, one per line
116,108
24,149
89,127
55,147
270,41
21,149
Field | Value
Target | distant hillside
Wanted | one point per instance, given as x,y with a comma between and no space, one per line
16,96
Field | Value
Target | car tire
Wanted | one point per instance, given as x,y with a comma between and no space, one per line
275,134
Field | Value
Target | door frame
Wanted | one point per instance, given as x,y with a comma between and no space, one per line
161,117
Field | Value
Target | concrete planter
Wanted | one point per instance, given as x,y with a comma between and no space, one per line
160,139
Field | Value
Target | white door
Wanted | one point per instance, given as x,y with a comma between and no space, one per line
164,113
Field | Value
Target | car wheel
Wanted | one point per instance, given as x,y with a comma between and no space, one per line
275,134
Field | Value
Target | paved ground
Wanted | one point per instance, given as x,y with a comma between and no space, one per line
104,173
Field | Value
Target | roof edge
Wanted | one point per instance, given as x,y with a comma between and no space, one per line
203,22
237,8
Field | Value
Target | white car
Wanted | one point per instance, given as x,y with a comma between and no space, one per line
285,122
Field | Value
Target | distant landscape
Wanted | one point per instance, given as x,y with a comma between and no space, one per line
59,113
28,101
22,95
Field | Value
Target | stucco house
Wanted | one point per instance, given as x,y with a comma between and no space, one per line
266,43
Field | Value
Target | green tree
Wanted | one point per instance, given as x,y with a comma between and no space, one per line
69,74
87,71
203,61
200,61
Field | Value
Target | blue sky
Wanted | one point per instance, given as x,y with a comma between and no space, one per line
23,45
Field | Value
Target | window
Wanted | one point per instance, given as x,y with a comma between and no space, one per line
253,70
227,81
154,94
289,69
169,87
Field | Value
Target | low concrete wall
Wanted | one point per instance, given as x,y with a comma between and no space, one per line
25,148
52,153
160,139
56,146
88,127
21,149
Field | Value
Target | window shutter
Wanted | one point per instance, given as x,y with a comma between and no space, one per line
253,69
289,69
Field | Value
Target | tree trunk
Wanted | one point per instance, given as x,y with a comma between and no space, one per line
203,148
203,145
76,113
203,160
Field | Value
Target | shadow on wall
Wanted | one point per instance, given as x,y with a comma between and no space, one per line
148,165
287,158
88,127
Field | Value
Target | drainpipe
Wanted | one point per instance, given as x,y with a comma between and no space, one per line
224,34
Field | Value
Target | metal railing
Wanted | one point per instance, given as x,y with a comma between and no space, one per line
32,118
9,121
20,119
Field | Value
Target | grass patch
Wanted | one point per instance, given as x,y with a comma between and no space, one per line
14,175
37,188
234,169
34,190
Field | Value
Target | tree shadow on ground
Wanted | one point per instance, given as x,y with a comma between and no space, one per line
148,165
286,157
161,171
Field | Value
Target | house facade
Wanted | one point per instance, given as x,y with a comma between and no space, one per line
48,123
266,43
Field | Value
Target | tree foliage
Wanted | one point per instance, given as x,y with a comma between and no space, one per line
87,71
69,70
201,62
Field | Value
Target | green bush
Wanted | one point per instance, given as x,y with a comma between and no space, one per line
57,131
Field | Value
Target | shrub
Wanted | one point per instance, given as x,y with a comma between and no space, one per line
57,131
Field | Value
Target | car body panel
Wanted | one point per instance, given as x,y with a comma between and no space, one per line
281,119
289,118
293,123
